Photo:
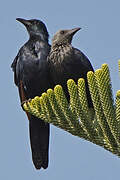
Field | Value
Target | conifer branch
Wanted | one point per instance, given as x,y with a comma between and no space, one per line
99,125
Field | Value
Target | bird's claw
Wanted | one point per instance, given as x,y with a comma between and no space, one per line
25,101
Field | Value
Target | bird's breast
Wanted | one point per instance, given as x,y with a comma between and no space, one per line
60,54
60,63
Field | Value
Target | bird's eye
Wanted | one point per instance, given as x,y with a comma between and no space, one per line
62,32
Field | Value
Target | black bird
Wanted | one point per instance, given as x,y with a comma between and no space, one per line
67,62
31,76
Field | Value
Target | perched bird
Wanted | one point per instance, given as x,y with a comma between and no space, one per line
31,76
67,62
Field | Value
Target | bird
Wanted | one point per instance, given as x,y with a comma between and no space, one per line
30,69
66,62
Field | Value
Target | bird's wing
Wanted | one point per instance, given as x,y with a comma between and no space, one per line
77,66
16,67
83,60
80,66
13,66
18,71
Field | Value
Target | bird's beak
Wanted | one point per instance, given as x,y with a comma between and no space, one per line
73,31
24,21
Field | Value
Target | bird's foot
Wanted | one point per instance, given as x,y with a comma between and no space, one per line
22,103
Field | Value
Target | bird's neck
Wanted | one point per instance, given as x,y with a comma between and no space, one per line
60,53
38,37
59,46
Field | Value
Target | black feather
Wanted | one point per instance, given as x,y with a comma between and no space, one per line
30,67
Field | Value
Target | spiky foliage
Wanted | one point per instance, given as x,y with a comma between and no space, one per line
99,125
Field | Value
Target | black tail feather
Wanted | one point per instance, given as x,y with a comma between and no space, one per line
39,139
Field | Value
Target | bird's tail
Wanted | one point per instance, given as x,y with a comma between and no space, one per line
39,139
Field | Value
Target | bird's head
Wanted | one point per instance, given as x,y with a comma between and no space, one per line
35,28
63,37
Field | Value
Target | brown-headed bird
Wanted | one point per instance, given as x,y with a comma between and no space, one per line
67,62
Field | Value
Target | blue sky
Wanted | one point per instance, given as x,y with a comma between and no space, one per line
99,38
